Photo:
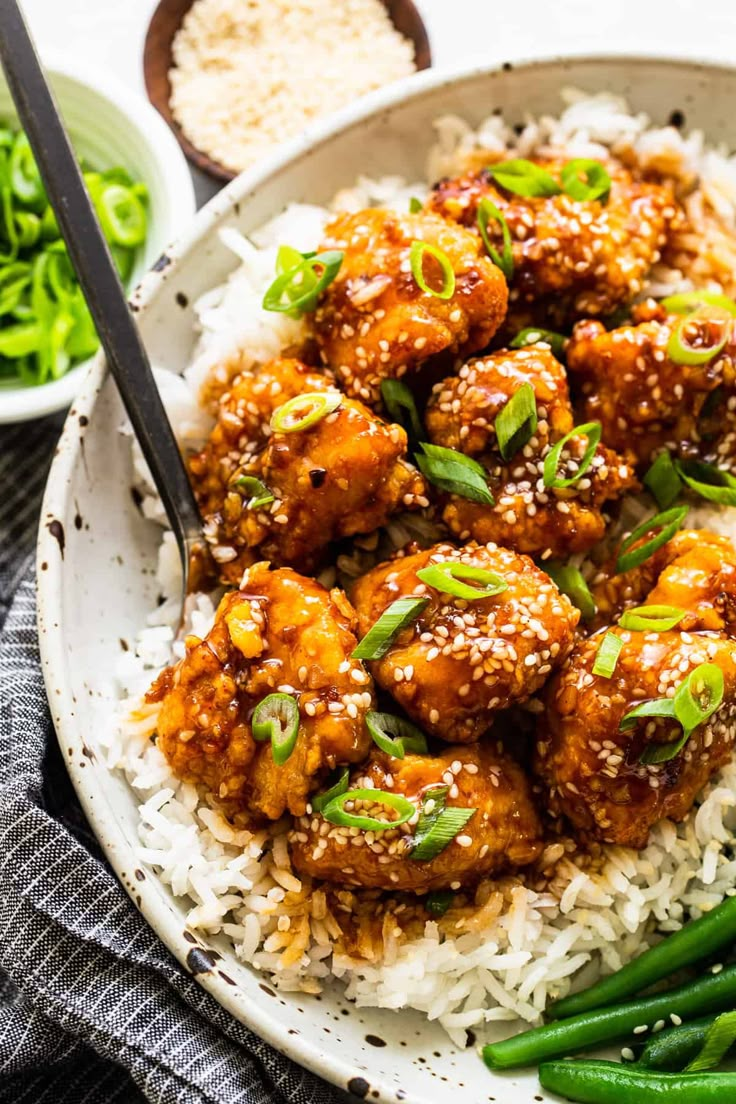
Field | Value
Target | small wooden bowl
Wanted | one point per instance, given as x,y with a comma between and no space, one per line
157,61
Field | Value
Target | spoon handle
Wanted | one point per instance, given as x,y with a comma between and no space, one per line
97,275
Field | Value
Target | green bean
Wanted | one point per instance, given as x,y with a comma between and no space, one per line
673,1048
695,941
590,1082
709,993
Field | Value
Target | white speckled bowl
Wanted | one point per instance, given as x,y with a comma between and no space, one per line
109,125
96,553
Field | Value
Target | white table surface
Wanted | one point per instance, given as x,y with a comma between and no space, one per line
109,33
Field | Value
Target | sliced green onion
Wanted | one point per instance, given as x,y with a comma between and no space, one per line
394,735
276,718
505,259
25,179
708,481
524,178
584,180
663,481
679,349
336,812
569,581
658,707
319,801
696,700
719,1038
437,825
297,290
446,577
651,618
533,335
438,903
380,637
254,490
607,655
688,301
454,473
122,215
591,430
304,411
416,259
667,523
415,205
398,398
516,422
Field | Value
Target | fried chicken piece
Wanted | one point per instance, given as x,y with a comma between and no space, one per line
242,428
645,401
526,515
462,661
345,474
375,322
572,258
504,833
691,571
282,633
593,770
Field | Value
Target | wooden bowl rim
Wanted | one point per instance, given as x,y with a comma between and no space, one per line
157,63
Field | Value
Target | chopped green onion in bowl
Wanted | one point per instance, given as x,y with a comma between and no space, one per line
45,325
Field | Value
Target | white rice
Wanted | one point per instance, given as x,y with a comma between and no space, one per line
524,946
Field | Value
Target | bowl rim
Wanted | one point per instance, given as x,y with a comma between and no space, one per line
17,403
328,1064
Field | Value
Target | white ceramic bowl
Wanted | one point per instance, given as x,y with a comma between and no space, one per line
109,125
96,553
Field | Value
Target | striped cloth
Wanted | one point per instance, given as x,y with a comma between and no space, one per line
93,1008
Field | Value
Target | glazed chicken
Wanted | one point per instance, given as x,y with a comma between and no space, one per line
594,771
572,258
526,515
343,475
281,632
692,571
504,831
645,401
375,321
462,661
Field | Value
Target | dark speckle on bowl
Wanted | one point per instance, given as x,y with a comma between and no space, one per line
56,529
225,977
189,937
83,420
199,961
181,299
375,1040
139,875
358,1086
163,262
677,118
266,989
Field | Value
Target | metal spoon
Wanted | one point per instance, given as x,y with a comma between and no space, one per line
98,278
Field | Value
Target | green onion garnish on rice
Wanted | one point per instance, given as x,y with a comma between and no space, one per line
664,526
591,430
336,813
505,259
569,580
449,578
516,422
417,253
276,718
607,655
379,638
663,481
394,735
304,411
454,473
